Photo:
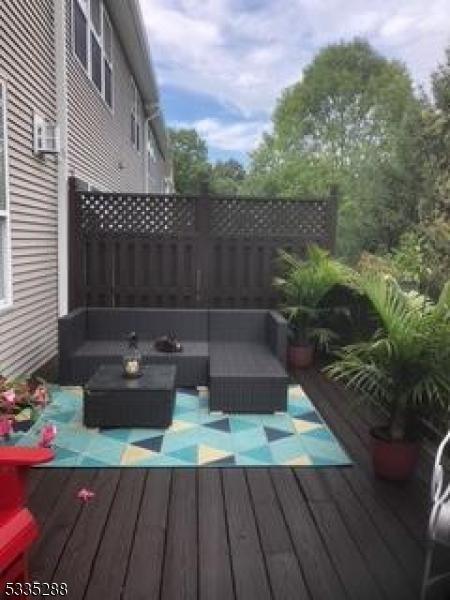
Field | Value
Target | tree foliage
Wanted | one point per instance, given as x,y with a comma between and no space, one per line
350,121
190,160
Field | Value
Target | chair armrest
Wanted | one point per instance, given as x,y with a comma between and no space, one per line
437,480
14,464
11,456
72,332
277,333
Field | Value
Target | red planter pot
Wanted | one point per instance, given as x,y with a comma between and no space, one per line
394,460
300,357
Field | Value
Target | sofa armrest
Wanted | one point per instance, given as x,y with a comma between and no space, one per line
72,331
277,334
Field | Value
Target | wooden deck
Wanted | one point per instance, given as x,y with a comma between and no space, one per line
325,534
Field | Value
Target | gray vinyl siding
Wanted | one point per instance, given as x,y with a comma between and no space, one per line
99,146
27,65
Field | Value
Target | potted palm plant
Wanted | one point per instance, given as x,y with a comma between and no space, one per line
404,366
303,285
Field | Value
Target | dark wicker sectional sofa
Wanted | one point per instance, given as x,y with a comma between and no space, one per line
240,354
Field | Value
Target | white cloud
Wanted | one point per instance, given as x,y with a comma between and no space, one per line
240,136
243,53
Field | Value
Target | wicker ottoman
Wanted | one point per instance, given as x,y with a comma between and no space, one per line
111,400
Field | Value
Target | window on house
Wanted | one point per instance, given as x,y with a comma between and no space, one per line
4,214
96,63
92,33
135,117
107,60
80,31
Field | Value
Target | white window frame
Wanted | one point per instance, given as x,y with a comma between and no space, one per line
7,301
135,110
85,7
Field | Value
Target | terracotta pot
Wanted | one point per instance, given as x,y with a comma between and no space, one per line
300,357
393,460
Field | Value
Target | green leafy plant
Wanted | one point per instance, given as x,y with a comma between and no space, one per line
405,366
303,285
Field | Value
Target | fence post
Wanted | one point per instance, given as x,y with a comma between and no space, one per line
202,222
332,217
75,253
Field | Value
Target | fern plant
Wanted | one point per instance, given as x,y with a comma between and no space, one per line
303,285
405,366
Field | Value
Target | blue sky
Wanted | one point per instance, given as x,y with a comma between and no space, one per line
222,64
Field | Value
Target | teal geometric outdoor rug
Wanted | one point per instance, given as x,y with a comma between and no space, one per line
196,438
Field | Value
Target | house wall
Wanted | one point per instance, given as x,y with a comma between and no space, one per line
99,146
27,65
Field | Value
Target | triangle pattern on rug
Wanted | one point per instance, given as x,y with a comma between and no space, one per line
220,425
207,454
302,426
228,461
238,425
312,417
133,455
273,434
154,444
262,454
188,454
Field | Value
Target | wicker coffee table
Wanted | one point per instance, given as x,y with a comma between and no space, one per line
111,400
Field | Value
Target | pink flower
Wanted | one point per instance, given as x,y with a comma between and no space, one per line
48,434
85,495
6,427
9,397
41,395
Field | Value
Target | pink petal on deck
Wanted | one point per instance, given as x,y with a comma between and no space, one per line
85,494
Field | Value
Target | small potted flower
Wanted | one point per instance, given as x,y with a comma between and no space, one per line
303,286
404,367
17,396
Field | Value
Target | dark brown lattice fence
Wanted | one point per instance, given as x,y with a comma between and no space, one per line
173,250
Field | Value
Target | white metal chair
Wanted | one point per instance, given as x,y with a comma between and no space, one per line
439,524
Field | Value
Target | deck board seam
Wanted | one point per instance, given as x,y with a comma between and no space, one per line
258,533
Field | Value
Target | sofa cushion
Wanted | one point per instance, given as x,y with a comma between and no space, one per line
243,359
149,323
117,348
238,325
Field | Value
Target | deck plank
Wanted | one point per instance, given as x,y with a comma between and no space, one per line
349,563
282,564
115,546
180,564
314,555
215,577
79,554
143,580
60,524
250,574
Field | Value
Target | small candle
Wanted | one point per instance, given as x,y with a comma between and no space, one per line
132,367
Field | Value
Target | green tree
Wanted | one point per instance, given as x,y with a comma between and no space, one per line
227,177
349,121
190,160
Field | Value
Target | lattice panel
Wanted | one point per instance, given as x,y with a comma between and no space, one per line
236,217
119,214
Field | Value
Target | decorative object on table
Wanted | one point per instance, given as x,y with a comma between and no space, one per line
196,438
303,285
439,524
18,528
404,367
132,359
21,401
168,343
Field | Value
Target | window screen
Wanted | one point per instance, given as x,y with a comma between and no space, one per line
80,34
96,62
